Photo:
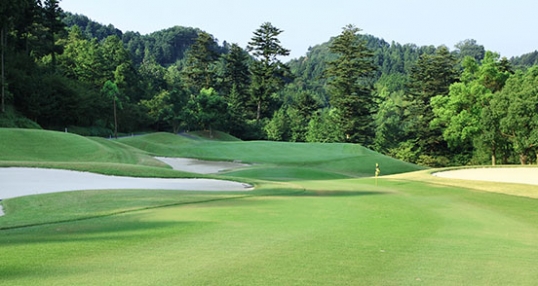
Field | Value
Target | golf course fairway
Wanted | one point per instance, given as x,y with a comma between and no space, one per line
313,219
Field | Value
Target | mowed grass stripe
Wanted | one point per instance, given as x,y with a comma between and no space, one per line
391,234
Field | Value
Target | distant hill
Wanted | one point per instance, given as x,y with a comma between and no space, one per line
167,46
525,60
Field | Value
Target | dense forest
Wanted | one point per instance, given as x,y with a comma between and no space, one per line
422,104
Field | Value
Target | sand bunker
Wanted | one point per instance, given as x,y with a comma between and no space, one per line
18,182
503,175
200,166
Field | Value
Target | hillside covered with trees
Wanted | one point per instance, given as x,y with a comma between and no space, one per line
423,104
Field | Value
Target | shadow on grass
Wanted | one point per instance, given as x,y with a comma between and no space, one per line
108,233
126,228
311,193
78,210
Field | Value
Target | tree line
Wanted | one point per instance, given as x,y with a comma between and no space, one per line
426,105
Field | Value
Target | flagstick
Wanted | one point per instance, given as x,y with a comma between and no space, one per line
377,171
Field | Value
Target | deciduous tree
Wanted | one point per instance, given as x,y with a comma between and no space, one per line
210,110
519,102
459,114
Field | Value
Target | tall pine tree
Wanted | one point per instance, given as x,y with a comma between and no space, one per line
53,24
350,87
431,76
199,71
268,71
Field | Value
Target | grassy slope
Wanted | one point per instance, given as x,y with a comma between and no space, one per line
49,146
404,230
40,148
324,160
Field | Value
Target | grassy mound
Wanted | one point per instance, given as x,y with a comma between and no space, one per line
25,145
349,160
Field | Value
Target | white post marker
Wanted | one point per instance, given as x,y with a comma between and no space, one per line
377,172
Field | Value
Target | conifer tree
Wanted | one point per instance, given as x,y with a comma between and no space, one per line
52,21
268,71
431,76
199,71
349,87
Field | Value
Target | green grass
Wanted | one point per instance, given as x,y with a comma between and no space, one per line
345,159
307,223
284,174
338,232
74,206
49,146
214,135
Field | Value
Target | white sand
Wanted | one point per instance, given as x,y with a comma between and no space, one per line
504,175
16,182
200,166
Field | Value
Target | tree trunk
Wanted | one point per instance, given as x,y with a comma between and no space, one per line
493,156
259,111
115,121
53,54
2,41
523,159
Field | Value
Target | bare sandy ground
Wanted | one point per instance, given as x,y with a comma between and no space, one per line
200,166
503,175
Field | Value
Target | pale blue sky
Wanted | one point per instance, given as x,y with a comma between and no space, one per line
506,27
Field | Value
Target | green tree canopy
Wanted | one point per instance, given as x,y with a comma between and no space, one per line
460,113
517,104
210,110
